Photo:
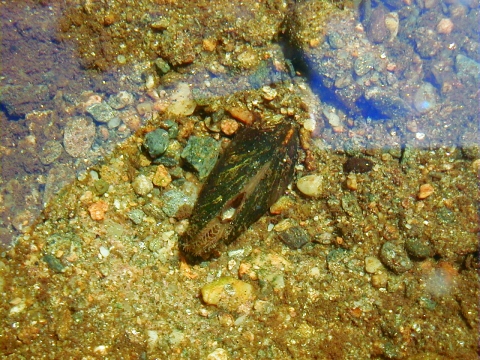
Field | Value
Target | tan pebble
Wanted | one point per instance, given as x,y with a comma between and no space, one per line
476,165
310,185
218,354
246,269
227,292
181,100
391,66
282,204
242,115
143,161
314,43
209,44
229,126
372,264
412,126
145,108
352,182
425,191
162,177
380,280
97,210
392,23
445,26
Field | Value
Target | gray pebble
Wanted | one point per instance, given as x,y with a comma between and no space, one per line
335,40
363,64
467,68
294,237
120,100
395,258
50,152
418,248
176,203
136,215
115,122
156,142
53,263
101,112
201,153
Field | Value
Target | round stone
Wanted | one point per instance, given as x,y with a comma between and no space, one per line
310,185
142,185
395,258
78,136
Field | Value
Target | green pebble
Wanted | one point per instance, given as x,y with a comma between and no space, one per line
201,153
101,186
156,142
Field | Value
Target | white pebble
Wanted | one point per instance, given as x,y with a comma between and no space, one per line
104,251
310,185
142,185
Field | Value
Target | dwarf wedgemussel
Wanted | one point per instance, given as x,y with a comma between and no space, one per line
251,174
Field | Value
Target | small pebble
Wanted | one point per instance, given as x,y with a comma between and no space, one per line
229,126
156,142
227,292
310,185
395,258
359,165
425,191
101,112
181,101
97,210
417,248
373,264
136,215
218,354
120,100
142,185
78,136
445,26
162,177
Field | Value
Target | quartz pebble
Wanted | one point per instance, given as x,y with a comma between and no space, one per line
310,185
227,292
182,102
142,185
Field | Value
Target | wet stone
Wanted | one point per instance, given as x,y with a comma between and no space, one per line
294,237
101,112
120,100
335,40
50,152
201,153
395,258
363,64
53,263
359,165
417,248
177,204
142,185
156,142
78,136
136,215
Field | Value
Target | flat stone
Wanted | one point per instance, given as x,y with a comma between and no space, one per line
201,153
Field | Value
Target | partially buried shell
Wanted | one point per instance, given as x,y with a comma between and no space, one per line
249,177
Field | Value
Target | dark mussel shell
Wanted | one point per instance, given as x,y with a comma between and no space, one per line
249,177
